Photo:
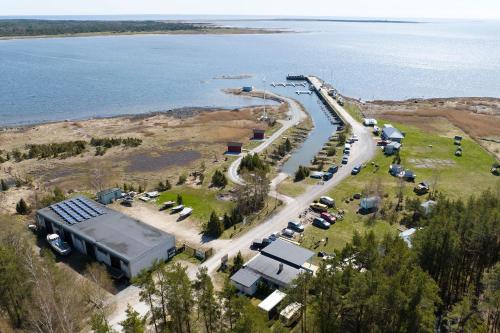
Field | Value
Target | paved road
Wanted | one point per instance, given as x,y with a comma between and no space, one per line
362,152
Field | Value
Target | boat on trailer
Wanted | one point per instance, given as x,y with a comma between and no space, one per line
58,245
185,212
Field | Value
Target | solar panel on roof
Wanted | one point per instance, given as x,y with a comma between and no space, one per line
92,205
68,211
85,208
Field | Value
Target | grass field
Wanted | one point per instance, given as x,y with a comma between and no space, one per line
456,177
202,200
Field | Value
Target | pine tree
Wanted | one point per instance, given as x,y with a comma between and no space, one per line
179,199
207,304
134,323
22,208
168,186
237,261
215,227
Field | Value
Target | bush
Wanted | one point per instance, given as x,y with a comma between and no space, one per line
182,179
3,185
252,163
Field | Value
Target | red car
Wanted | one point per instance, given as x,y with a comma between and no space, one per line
328,217
382,143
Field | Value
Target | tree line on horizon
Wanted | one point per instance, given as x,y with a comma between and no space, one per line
33,27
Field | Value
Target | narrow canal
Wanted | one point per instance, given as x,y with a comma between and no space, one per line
319,135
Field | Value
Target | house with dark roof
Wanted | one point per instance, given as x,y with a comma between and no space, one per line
278,264
391,133
258,134
106,235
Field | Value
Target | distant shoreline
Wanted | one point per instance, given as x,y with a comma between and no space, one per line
210,31
35,29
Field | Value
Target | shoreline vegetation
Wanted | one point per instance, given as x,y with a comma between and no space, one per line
32,28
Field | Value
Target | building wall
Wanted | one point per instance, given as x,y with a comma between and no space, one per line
102,256
157,253
79,244
247,290
233,149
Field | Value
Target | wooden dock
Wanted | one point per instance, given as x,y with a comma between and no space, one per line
329,102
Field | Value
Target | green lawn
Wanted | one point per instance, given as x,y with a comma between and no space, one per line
456,177
202,200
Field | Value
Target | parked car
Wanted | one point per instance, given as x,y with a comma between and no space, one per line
274,236
328,217
327,201
287,232
382,143
345,159
333,169
327,176
297,226
421,188
354,137
318,207
321,223
356,169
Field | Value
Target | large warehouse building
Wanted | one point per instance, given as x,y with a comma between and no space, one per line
107,236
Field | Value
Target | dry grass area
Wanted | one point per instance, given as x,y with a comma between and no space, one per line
172,145
478,117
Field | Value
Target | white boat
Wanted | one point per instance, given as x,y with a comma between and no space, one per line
177,208
185,212
60,246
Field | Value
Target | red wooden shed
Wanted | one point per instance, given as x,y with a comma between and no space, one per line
234,147
258,134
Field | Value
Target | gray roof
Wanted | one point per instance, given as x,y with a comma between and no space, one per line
392,133
245,277
287,252
115,232
269,267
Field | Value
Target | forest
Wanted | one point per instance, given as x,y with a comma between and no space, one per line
29,27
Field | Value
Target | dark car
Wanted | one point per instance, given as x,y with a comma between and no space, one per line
321,223
327,176
345,159
297,226
356,169
333,169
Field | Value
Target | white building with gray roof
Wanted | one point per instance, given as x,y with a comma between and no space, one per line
278,264
106,235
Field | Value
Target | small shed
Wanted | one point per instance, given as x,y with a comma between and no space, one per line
245,281
258,134
369,203
234,147
269,305
108,196
247,89
392,148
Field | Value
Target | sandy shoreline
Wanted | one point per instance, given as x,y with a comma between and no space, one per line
209,31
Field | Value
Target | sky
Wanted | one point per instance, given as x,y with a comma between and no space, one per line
486,9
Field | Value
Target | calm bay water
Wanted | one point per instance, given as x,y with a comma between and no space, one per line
74,78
